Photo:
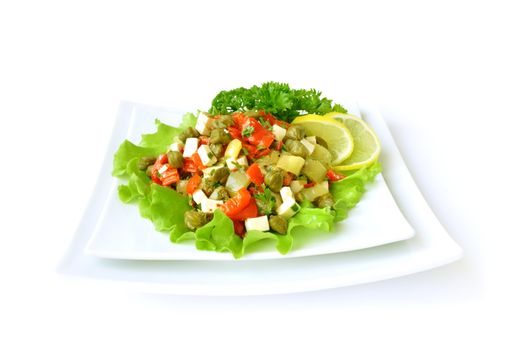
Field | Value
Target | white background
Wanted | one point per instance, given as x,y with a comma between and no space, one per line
449,76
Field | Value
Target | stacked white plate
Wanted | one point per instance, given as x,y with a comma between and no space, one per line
391,232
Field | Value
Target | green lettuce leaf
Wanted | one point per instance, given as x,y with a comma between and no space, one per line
127,152
348,191
165,134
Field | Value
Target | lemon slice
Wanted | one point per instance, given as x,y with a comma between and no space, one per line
334,133
367,146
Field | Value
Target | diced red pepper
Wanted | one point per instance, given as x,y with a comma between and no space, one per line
234,205
189,166
260,136
309,184
239,228
234,132
272,120
255,174
193,184
161,160
279,145
197,160
250,211
288,177
239,118
333,176
170,176
203,140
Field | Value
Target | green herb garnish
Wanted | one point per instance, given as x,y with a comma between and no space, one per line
248,131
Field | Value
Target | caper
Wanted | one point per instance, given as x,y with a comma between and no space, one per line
299,197
207,185
219,136
220,175
220,194
296,148
175,159
195,219
295,132
325,200
189,132
222,121
181,186
149,170
216,149
144,162
278,224
274,180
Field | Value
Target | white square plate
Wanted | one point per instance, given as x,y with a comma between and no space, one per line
121,233
429,248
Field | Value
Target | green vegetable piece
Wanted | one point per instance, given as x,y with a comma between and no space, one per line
265,201
189,132
295,132
219,136
325,200
221,175
220,193
195,219
290,163
278,224
322,154
175,159
144,162
314,170
296,148
216,149
274,180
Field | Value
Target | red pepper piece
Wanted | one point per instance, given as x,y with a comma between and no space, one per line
250,211
234,205
193,184
333,176
255,174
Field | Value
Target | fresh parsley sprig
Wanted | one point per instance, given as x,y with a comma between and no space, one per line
275,98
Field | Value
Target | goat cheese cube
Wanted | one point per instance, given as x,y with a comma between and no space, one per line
278,132
191,146
206,155
199,196
308,145
203,124
259,223
312,139
288,208
286,193
210,205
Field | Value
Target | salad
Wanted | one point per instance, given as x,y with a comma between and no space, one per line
262,163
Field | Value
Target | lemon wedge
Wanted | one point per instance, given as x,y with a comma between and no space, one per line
366,144
336,134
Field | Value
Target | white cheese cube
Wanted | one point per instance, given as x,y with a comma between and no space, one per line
203,124
259,223
191,146
199,196
312,139
206,155
308,145
286,193
288,208
278,132
210,205
242,161
163,169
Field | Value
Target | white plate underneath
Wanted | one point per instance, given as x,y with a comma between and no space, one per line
121,233
430,247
